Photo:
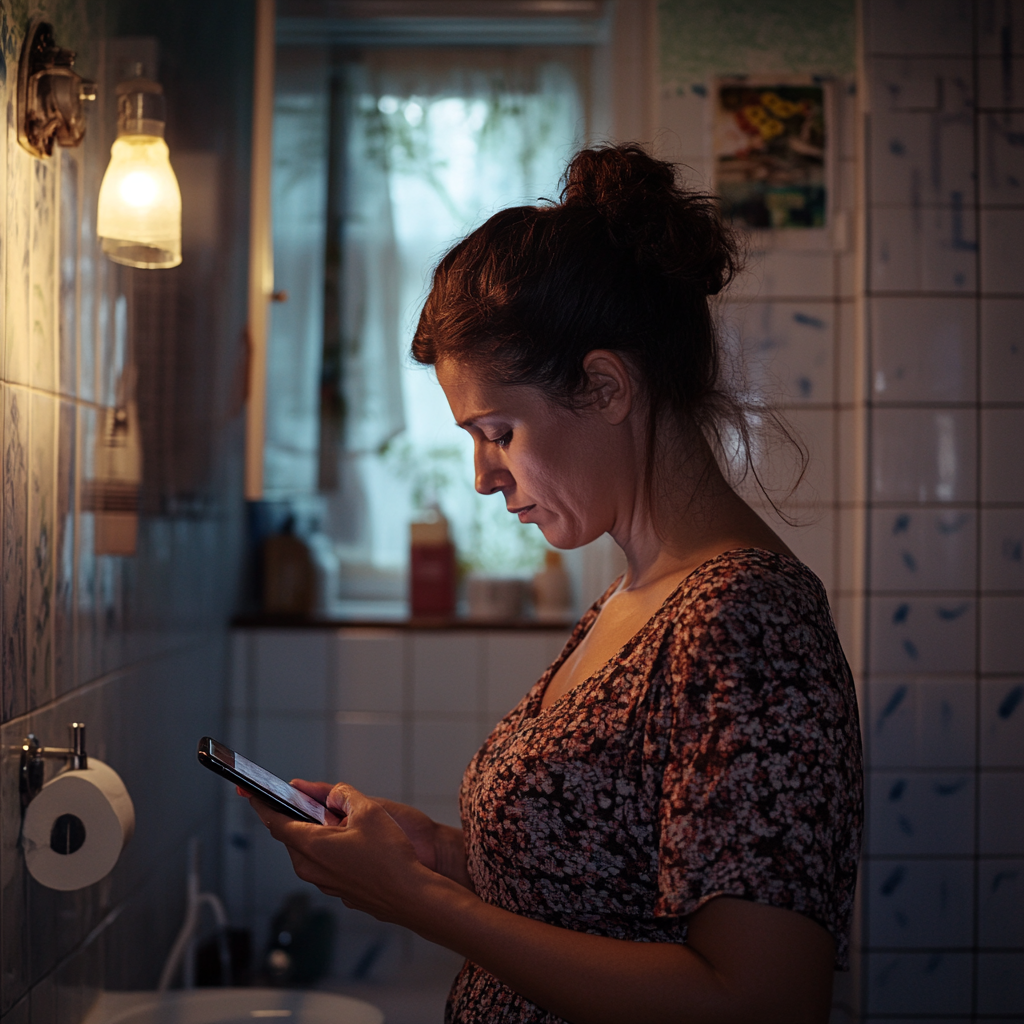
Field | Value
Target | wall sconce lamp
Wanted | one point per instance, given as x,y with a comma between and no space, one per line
51,96
139,218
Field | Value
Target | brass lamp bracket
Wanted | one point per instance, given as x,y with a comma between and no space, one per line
33,763
51,96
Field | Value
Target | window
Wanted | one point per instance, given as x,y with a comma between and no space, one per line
383,157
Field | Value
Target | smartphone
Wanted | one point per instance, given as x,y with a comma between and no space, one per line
258,781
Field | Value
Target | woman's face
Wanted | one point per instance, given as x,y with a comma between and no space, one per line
564,470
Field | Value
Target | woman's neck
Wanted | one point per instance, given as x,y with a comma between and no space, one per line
696,515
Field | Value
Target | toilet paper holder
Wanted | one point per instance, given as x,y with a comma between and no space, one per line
33,760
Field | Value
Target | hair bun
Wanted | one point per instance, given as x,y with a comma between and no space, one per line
670,229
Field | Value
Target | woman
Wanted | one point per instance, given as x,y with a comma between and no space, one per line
666,827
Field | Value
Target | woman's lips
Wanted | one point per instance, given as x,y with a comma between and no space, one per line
522,511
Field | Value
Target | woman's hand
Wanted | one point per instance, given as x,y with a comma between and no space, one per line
438,847
366,860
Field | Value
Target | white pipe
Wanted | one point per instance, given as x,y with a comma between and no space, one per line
183,951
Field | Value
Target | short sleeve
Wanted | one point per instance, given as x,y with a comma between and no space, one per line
760,795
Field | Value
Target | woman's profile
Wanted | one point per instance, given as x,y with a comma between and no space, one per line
667,826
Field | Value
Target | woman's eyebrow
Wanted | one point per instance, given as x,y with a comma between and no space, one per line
471,421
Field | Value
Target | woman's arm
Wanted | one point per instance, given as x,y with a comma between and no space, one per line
742,962
440,847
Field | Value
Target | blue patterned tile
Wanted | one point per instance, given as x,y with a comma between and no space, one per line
786,349
921,132
1001,903
1001,814
15,553
64,572
85,604
920,722
42,280
1000,983
920,903
1002,723
1002,349
923,455
918,983
923,549
1002,549
17,286
922,635
921,813
918,27
1002,640
923,349
68,312
925,249
14,939
42,530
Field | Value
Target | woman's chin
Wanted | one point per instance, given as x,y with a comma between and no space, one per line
562,538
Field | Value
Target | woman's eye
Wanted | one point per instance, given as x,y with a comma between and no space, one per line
504,441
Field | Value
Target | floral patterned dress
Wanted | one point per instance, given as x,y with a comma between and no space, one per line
718,753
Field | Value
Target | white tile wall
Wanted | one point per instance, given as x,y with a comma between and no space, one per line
1002,156
921,813
1002,261
367,751
441,751
918,983
920,903
1002,649
923,349
396,713
944,266
1002,549
1002,349
1002,464
1001,903
897,27
1001,734
922,634
513,663
1000,983
290,670
1001,814
924,249
788,349
921,722
368,670
446,676
923,455
923,549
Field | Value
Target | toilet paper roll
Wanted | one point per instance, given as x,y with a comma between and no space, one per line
77,826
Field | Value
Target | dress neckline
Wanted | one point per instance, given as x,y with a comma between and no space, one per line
535,711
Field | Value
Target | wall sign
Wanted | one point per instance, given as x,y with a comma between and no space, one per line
770,153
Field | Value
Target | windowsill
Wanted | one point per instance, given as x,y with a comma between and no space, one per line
387,615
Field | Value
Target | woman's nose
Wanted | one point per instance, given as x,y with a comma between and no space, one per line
491,476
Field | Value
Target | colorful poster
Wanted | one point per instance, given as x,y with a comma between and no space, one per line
770,154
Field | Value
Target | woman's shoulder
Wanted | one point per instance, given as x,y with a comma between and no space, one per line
748,604
752,581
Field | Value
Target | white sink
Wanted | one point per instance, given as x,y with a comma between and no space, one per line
232,1006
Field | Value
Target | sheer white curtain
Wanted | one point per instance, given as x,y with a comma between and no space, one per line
436,141
295,336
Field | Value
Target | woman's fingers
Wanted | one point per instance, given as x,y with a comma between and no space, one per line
343,798
317,790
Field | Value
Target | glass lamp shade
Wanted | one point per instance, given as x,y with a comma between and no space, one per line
139,217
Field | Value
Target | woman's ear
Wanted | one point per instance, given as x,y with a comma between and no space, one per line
610,390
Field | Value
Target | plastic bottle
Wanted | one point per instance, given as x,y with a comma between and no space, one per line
552,594
432,570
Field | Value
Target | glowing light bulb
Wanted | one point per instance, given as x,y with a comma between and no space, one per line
139,189
139,216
